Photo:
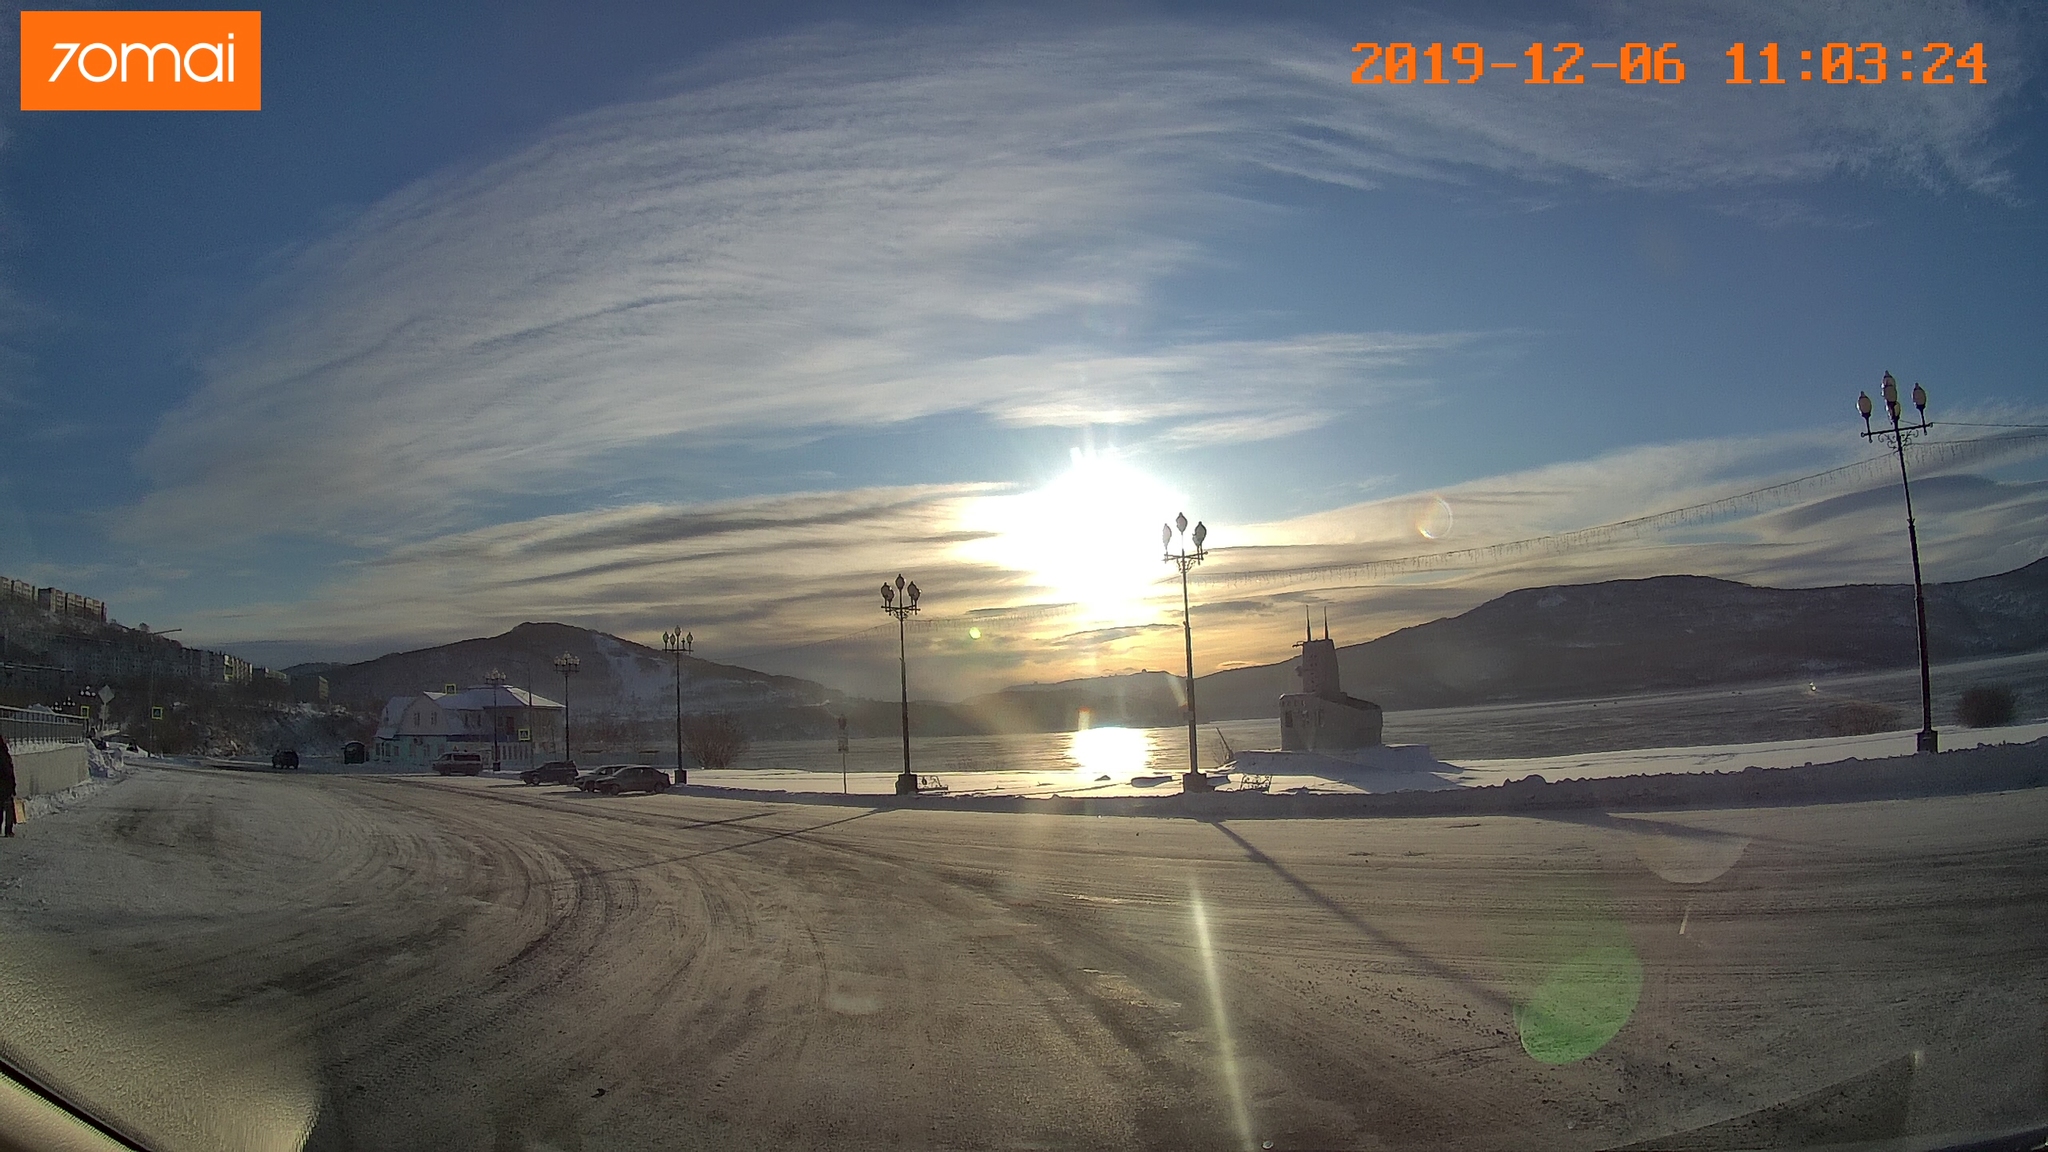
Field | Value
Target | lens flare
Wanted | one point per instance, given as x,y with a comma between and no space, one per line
1226,1048
1581,1004
1685,855
1433,519
1570,964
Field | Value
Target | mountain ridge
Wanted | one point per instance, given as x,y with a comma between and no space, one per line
1552,642
1660,633
628,675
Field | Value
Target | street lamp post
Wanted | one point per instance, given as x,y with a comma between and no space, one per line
678,644
1194,781
524,710
150,703
1900,434
900,600
568,665
497,681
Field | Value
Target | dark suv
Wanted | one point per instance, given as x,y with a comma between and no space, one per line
285,758
552,772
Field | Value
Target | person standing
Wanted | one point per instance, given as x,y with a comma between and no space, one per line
6,789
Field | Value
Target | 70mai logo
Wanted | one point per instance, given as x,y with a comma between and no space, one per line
141,61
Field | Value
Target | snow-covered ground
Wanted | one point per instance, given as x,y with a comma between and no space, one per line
1734,757
1100,776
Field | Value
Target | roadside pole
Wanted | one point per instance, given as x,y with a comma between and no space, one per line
679,644
842,756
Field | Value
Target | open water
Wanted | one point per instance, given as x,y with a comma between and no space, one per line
1752,713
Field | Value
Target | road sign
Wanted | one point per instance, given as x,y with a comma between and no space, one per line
156,712
107,694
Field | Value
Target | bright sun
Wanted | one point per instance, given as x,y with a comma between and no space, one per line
1090,537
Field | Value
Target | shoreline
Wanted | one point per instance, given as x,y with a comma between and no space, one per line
1986,768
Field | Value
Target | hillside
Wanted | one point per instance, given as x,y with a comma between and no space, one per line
1618,637
1139,699
1665,633
617,676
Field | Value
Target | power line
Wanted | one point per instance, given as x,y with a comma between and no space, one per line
1924,454
1968,424
925,624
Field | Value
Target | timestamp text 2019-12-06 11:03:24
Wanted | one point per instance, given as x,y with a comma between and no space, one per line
1641,62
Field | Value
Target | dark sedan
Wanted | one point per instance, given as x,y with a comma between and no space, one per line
552,772
632,780
588,780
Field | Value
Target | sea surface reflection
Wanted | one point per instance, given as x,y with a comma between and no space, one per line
1119,753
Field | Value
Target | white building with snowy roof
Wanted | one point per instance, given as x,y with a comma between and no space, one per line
512,728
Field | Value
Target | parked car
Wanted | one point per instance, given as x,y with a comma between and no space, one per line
285,758
635,779
588,780
354,752
465,763
592,775
552,772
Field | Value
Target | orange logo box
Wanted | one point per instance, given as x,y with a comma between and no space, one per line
141,61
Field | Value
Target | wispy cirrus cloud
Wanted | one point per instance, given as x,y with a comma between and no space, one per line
787,583
792,563
846,229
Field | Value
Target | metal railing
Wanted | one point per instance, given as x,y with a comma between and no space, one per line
34,729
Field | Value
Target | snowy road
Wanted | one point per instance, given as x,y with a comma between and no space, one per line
409,962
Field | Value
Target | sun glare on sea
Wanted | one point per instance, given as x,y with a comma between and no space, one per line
1090,537
1119,753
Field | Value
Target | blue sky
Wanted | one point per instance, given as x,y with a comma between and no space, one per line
632,315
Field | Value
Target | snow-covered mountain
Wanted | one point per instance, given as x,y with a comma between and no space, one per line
615,676
1616,637
1622,637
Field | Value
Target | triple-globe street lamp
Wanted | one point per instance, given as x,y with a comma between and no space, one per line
568,665
900,600
678,645
1900,435
1184,559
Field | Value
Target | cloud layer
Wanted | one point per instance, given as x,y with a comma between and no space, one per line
788,583
848,230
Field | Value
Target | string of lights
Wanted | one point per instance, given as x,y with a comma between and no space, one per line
1969,424
1925,455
